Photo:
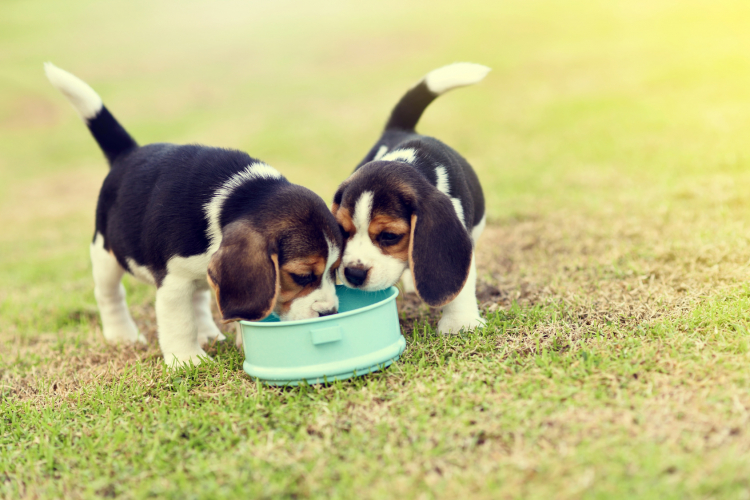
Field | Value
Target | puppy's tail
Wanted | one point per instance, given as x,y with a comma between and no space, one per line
109,134
409,109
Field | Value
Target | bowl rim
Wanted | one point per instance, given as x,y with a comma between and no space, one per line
394,292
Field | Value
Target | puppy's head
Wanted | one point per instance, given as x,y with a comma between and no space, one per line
280,258
392,218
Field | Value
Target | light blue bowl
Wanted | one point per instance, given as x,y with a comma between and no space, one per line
363,337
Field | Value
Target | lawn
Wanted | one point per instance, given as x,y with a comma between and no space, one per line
612,140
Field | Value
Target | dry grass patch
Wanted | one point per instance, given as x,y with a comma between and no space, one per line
624,270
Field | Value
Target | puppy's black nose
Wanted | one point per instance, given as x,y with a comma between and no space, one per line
355,275
327,313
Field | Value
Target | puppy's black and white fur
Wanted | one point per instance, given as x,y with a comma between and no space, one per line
414,202
186,217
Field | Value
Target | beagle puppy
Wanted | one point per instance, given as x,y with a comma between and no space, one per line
415,203
184,218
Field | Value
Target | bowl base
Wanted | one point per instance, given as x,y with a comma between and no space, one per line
328,372
326,378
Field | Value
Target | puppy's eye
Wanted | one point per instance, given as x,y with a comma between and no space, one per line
345,234
303,279
387,239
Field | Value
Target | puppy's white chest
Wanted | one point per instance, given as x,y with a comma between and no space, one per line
190,268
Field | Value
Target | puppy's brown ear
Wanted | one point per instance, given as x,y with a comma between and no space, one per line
439,250
244,273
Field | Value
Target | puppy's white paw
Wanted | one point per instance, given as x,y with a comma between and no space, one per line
452,324
126,333
209,332
197,356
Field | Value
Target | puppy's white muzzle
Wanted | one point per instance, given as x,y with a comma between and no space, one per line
321,302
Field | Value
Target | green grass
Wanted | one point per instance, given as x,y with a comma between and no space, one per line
612,142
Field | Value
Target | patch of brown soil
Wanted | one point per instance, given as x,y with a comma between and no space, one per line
92,361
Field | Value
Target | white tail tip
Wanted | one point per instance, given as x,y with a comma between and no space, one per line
83,98
455,75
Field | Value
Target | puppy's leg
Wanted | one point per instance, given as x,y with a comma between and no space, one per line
117,324
463,312
407,282
204,321
175,317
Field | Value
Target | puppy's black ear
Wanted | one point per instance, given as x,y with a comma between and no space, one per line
244,273
439,250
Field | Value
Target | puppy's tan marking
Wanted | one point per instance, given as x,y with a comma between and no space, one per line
290,290
306,265
386,223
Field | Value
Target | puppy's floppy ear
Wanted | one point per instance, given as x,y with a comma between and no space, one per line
439,250
244,273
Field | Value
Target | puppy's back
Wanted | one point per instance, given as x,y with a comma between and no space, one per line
153,204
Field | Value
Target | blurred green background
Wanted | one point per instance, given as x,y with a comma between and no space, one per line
592,107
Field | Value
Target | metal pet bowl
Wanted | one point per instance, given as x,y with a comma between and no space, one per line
363,337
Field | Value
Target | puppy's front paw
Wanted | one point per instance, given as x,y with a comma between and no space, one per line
125,333
209,332
452,324
174,359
